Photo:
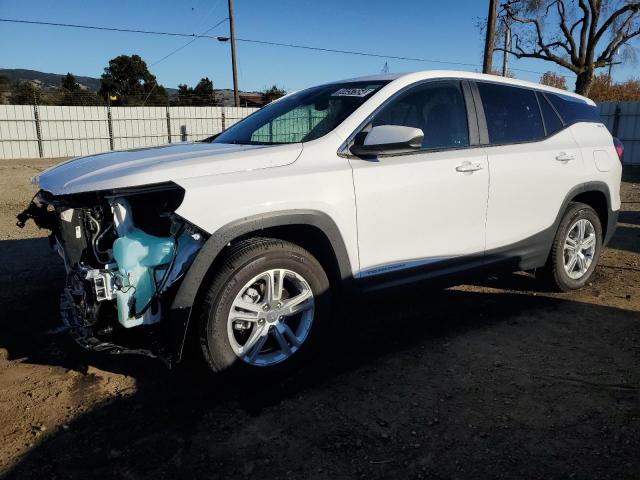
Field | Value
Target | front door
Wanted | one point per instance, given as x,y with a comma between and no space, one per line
428,207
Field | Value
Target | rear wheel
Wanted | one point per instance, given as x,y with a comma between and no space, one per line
576,249
266,308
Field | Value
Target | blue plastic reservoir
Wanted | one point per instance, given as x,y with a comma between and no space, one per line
137,254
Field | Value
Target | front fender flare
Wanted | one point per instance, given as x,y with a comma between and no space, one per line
196,274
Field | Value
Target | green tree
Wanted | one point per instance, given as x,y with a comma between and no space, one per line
5,88
4,81
185,95
24,93
72,93
202,94
69,83
273,93
128,79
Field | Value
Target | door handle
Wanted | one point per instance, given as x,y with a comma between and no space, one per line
565,157
468,167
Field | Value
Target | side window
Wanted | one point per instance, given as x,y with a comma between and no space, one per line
437,108
552,123
573,109
512,113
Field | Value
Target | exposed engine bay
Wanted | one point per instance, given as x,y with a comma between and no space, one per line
125,252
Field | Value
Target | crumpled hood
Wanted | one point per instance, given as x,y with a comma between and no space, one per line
147,166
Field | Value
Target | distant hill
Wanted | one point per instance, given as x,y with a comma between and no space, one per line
50,80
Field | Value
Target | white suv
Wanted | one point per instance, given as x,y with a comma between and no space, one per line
246,240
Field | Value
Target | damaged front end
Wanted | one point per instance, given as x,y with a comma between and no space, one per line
125,252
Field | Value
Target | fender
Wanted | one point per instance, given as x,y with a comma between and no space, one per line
612,215
220,238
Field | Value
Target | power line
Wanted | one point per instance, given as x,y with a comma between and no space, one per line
111,29
263,42
204,18
352,52
368,54
189,42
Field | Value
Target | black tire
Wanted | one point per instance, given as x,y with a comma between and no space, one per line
239,266
553,273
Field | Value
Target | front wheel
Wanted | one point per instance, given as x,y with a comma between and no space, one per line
576,249
266,308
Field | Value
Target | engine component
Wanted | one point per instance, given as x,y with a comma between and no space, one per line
103,283
73,235
140,258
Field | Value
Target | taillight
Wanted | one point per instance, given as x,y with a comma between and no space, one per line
619,147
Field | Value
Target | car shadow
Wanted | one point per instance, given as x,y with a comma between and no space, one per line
626,238
410,386
630,217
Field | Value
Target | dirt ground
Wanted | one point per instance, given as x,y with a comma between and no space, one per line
493,380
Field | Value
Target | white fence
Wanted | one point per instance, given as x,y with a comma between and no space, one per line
30,131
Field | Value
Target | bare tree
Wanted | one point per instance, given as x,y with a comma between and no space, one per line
580,35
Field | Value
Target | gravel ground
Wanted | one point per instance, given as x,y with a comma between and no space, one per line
493,380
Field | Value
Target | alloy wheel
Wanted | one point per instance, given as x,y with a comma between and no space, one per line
579,248
270,317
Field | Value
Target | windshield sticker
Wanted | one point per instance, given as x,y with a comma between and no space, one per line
353,92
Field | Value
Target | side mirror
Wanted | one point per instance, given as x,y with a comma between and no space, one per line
386,139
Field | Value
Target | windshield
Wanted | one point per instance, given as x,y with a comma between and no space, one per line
302,116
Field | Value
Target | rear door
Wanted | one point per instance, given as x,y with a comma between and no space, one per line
533,162
423,208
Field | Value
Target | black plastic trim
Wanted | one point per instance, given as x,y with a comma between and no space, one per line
222,237
564,124
483,130
411,146
544,123
472,115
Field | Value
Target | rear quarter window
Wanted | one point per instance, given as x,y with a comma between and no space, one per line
573,109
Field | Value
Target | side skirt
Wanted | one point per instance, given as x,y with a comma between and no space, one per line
524,255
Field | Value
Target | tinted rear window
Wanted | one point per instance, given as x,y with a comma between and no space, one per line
551,120
573,109
512,114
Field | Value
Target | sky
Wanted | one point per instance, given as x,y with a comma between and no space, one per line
411,28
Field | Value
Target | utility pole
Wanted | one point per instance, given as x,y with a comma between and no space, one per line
491,35
232,31
507,47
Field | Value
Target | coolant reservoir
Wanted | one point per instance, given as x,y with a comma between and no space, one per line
142,262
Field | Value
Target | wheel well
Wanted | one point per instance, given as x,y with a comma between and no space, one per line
312,239
598,201
309,237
